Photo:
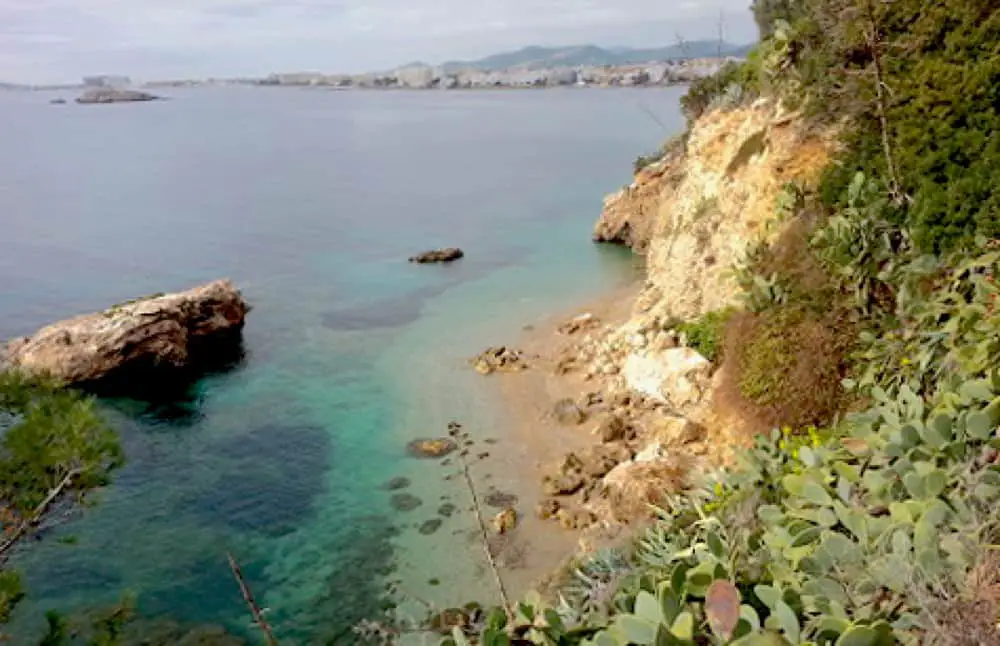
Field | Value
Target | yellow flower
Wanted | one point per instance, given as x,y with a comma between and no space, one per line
906,362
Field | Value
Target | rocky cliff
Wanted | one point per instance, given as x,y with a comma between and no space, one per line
162,333
693,215
694,212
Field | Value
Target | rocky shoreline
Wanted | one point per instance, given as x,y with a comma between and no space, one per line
617,411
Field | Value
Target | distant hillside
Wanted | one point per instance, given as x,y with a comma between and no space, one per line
543,57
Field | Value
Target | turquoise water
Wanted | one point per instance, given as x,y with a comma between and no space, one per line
310,201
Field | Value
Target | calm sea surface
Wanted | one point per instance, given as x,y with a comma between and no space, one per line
311,201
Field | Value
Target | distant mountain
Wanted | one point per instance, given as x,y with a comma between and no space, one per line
535,57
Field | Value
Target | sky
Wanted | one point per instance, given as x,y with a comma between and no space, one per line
55,41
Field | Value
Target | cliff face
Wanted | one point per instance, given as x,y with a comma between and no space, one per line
694,213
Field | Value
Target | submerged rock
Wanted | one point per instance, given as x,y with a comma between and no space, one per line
448,254
396,484
432,448
447,510
157,333
500,499
405,502
431,526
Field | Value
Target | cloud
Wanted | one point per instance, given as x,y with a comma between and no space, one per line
60,40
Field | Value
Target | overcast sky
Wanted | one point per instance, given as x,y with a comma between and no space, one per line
47,41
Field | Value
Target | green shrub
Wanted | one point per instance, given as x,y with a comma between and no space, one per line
784,366
644,161
734,82
706,334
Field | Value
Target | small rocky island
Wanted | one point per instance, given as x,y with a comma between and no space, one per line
112,95
448,254
162,333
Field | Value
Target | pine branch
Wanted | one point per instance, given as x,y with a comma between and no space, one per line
36,516
255,610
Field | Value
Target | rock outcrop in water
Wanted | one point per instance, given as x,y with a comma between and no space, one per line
448,254
111,95
164,332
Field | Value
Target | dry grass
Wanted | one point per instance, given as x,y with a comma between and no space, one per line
969,619
784,367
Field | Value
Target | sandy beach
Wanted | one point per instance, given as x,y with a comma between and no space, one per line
536,441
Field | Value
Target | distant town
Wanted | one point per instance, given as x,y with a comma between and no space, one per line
530,67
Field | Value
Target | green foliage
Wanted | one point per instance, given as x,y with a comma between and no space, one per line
862,245
53,444
768,14
55,433
10,593
730,86
644,161
706,334
940,65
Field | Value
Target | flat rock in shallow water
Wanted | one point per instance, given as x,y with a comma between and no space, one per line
432,448
499,499
396,484
430,526
158,333
405,502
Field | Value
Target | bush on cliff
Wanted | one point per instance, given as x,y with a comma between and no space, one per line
733,84
706,334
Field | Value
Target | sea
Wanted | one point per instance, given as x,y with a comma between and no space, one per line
311,201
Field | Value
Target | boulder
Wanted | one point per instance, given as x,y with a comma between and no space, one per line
578,323
448,254
505,521
562,485
160,333
574,518
500,359
432,448
599,460
112,95
615,428
678,377
548,508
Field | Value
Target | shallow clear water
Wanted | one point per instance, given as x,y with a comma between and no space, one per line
311,201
